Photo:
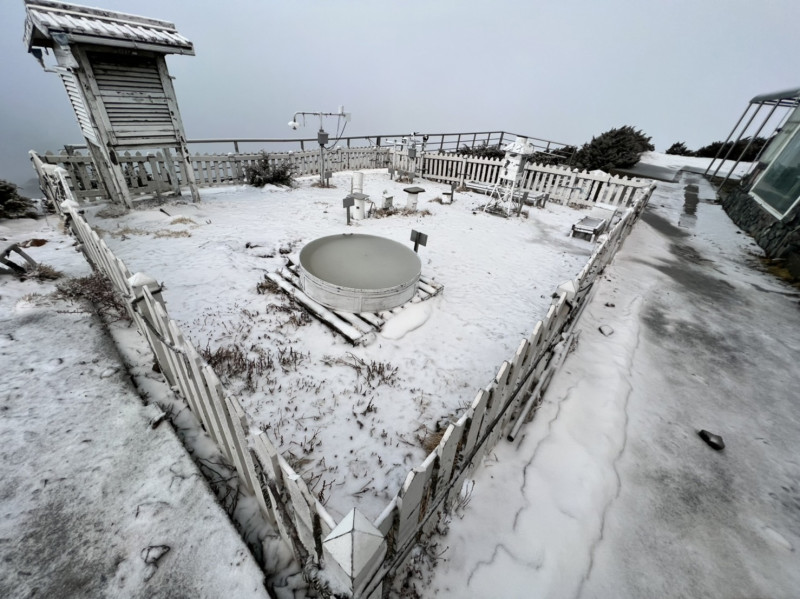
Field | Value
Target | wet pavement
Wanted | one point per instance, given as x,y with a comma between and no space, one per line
612,493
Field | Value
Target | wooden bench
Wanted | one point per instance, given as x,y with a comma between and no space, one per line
538,199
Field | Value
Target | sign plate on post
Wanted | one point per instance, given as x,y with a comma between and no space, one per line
348,203
418,239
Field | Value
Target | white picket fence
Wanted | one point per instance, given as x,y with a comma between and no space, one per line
160,172
434,487
564,185
280,492
363,557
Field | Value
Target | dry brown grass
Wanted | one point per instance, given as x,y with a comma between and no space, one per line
432,440
43,272
162,233
111,212
98,290
124,232
182,220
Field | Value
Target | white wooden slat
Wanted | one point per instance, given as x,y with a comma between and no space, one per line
199,391
267,455
448,447
278,516
78,102
414,492
184,376
248,474
302,503
476,414
499,391
386,519
227,443
511,401
489,412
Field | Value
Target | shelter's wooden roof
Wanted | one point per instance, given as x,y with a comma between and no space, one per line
50,22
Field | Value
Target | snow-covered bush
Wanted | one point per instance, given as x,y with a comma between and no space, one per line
263,173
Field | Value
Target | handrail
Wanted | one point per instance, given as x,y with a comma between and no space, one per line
441,140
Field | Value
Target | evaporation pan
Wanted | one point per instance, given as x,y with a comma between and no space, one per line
359,273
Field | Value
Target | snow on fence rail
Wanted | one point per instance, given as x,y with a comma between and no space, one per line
161,173
356,557
565,185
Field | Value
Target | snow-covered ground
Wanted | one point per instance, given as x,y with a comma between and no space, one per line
667,167
94,500
611,493
353,420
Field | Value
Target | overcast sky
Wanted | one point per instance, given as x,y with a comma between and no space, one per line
679,70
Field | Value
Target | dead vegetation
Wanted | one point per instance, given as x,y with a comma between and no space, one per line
431,440
98,291
387,212
112,211
124,232
234,362
373,373
267,285
166,233
182,220
42,272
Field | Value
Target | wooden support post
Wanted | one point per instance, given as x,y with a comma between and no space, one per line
177,123
172,170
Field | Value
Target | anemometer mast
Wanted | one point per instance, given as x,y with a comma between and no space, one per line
322,135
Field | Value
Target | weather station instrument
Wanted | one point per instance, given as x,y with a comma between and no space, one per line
342,118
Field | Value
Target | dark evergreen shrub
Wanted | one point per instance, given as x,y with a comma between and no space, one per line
482,151
679,149
263,173
713,149
561,155
13,205
616,148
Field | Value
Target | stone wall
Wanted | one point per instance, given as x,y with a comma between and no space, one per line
779,238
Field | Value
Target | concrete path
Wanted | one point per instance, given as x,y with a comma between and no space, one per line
612,493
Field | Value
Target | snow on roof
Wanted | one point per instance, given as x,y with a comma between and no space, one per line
48,20
788,96
521,145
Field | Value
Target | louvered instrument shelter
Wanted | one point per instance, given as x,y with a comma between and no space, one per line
114,71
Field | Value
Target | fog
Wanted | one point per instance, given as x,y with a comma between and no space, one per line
680,71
